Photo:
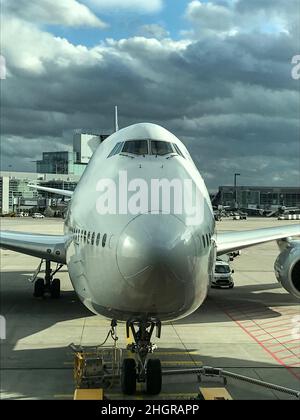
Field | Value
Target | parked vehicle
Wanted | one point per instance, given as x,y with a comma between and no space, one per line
38,216
240,216
243,216
234,254
222,276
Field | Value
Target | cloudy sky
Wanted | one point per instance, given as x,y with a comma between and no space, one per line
217,74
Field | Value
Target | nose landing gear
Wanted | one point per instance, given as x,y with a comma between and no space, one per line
142,371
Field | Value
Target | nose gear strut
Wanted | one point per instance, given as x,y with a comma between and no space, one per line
142,370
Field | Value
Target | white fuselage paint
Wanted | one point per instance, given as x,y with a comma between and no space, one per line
152,265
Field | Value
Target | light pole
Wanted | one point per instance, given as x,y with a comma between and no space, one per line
235,190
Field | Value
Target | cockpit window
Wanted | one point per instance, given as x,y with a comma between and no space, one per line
141,148
136,147
116,149
178,151
161,148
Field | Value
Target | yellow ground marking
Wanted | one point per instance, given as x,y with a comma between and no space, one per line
115,395
163,395
215,394
163,363
182,362
175,353
139,390
63,396
129,340
88,394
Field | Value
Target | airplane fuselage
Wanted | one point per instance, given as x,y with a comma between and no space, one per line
143,264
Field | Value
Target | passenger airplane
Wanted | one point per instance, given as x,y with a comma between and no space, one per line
148,268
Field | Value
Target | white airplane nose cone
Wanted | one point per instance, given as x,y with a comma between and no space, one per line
156,249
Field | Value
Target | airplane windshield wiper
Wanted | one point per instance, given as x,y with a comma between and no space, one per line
123,154
172,155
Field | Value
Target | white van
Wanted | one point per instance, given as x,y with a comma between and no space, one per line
38,216
222,276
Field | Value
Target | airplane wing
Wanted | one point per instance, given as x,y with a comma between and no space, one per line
47,247
231,241
65,193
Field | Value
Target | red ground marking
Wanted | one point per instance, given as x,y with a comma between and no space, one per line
271,327
289,357
268,325
257,322
264,329
245,325
280,315
282,336
260,335
259,312
260,343
272,332
280,325
258,329
286,349
279,318
281,344
276,338
269,339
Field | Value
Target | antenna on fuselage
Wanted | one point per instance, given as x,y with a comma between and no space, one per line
116,119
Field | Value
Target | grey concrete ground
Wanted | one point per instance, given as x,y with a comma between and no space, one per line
247,330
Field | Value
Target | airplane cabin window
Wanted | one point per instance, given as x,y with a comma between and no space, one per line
104,240
136,147
88,237
98,239
93,238
84,236
161,148
203,240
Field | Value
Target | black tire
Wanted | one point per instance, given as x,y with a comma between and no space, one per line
128,377
154,377
231,286
55,289
39,288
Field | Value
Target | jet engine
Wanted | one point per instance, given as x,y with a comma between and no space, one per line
287,266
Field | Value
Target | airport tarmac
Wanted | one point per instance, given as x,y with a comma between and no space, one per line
248,330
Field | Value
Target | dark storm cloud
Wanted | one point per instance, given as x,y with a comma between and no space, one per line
278,7
232,100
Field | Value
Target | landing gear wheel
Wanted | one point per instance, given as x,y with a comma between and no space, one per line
39,288
55,289
128,377
154,377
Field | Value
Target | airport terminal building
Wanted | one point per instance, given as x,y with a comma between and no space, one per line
61,170
71,162
259,197
17,196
